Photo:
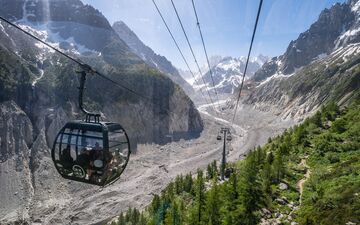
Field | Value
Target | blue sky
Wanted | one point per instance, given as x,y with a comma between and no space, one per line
226,24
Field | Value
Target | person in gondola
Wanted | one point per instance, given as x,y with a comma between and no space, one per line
66,159
96,152
97,161
85,161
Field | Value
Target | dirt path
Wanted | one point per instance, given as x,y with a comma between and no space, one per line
300,184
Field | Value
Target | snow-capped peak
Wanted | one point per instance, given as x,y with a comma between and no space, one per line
228,73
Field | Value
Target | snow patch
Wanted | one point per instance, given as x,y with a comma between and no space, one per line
350,52
45,33
320,56
277,75
350,33
356,7
3,30
229,65
38,78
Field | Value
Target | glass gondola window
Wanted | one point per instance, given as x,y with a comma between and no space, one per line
118,153
65,154
90,154
73,144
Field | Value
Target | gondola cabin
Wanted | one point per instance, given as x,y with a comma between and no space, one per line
228,138
91,152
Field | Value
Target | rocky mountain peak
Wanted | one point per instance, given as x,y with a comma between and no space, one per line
322,65
40,11
228,71
63,22
144,52
152,59
326,34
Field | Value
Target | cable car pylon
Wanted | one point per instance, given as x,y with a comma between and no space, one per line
225,131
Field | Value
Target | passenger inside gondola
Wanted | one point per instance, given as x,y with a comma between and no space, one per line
84,160
97,160
65,158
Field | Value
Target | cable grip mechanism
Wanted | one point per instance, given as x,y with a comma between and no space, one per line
89,116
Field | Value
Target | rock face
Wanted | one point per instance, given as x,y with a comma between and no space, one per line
15,162
65,19
228,72
335,27
38,95
322,65
149,56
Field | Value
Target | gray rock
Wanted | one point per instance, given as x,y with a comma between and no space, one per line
281,201
283,186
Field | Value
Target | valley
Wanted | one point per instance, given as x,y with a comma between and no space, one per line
297,117
154,166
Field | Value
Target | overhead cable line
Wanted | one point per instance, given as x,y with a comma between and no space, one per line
247,60
177,46
83,65
203,43
193,54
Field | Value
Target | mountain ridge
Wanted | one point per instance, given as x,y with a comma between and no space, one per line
299,82
149,56
227,73
320,39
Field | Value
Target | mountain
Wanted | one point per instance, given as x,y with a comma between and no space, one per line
228,72
322,65
66,22
149,56
335,28
38,95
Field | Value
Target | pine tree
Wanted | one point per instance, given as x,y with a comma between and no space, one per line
155,204
209,172
266,178
172,216
214,169
142,220
179,184
135,216
316,119
213,205
170,191
121,220
188,183
182,211
279,167
230,199
250,191
200,197
127,215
